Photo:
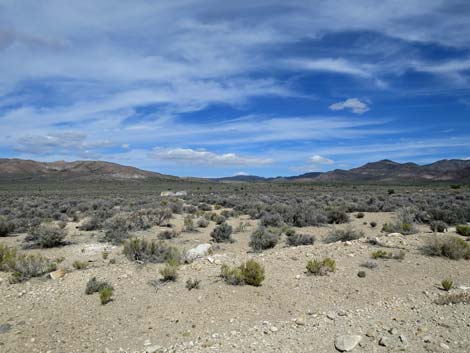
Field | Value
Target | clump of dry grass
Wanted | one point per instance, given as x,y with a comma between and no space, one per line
453,298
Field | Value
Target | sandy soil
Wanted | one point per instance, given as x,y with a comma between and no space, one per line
391,308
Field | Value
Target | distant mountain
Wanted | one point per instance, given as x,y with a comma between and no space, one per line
240,178
446,170
390,171
14,169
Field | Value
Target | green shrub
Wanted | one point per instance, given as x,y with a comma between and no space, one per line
454,248
379,254
463,230
219,219
7,257
89,224
263,238
167,234
222,233
300,239
170,271
438,226
24,267
94,286
447,284
106,295
192,284
189,224
46,236
360,215
337,216
150,251
347,234
373,224
202,223
6,227
321,268
252,273
231,275
105,255
80,265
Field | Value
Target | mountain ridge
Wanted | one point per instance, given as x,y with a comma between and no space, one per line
445,170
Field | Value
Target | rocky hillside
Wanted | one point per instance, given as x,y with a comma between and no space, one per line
390,171
13,169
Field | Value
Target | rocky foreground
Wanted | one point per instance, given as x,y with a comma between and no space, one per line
389,309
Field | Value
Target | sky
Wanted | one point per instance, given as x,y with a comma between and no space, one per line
211,88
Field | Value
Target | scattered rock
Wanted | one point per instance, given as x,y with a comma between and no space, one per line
331,315
153,349
300,321
427,339
361,274
346,343
370,333
5,328
403,339
57,274
384,342
444,346
199,251
274,329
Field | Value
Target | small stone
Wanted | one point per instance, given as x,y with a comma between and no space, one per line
153,349
300,321
427,339
370,333
393,331
361,274
346,343
274,329
403,339
384,342
331,315
5,328
444,346
57,274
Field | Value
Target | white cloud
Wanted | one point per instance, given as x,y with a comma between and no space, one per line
354,104
241,173
316,159
202,157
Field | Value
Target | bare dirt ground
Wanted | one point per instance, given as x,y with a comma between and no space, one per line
391,308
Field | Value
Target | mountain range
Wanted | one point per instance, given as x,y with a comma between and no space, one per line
446,170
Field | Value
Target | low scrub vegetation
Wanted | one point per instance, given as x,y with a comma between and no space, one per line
452,247
453,298
447,284
250,273
143,251
95,286
347,234
23,267
263,238
463,230
193,284
170,271
222,233
438,226
321,267
46,236
300,239
381,254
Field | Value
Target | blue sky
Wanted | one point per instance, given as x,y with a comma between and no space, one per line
210,88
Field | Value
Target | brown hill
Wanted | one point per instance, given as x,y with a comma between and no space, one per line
28,169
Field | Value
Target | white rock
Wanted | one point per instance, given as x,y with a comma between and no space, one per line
394,234
346,343
199,251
